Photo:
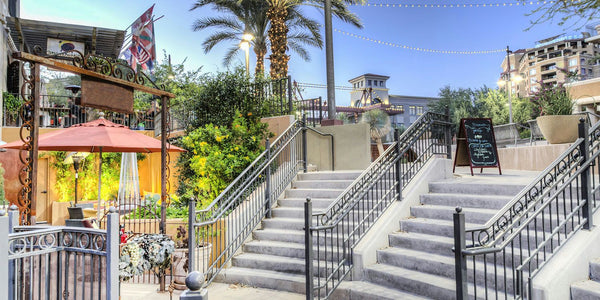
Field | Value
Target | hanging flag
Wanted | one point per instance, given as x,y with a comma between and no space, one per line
142,50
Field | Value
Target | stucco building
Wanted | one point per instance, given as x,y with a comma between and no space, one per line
370,91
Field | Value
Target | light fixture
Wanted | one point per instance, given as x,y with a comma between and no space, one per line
75,158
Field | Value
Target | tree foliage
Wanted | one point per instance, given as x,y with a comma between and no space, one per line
565,11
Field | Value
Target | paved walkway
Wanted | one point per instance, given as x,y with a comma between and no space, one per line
216,291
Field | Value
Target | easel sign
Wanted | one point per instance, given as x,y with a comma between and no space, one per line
476,145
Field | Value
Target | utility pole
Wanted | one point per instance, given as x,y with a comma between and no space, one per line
509,85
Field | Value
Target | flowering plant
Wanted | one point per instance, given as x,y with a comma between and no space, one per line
143,253
551,100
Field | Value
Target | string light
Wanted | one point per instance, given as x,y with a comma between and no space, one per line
323,86
419,48
458,5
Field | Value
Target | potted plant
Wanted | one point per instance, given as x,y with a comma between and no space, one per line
554,108
146,252
180,258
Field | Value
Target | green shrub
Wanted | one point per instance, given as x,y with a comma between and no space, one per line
217,155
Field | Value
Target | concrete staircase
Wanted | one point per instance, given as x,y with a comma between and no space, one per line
419,261
589,289
274,258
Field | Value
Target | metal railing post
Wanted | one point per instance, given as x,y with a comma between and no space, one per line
308,253
13,221
460,263
304,149
289,86
398,165
268,181
192,236
587,208
448,134
4,272
112,255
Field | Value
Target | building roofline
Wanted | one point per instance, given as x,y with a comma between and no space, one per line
369,75
415,97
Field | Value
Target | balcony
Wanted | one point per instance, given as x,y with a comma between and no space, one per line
60,112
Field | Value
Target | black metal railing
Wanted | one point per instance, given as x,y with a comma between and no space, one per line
312,108
338,229
60,112
57,262
501,258
219,230
267,98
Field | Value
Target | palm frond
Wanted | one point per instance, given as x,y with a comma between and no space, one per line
216,22
298,49
216,38
231,53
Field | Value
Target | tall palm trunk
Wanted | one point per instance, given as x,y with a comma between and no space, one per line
278,36
260,61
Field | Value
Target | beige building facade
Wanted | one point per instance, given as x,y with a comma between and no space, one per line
558,59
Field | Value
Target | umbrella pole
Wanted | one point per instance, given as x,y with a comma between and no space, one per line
99,184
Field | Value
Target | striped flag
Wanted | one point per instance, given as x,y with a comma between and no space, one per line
142,50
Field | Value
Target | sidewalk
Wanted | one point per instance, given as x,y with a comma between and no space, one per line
216,291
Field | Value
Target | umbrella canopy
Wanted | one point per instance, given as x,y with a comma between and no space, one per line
95,136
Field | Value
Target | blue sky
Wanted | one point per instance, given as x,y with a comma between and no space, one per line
411,72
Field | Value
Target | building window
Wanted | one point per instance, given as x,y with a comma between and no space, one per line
412,110
419,110
572,62
381,83
532,72
534,89
369,82
582,71
532,80
375,82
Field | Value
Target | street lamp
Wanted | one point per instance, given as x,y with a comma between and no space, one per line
509,83
75,158
245,45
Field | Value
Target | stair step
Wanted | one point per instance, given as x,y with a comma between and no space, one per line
283,223
313,193
441,265
317,203
472,215
286,249
321,184
263,278
288,212
292,236
363,290
336,175
476,188
430,226
463,200
416,241
585,290
427,285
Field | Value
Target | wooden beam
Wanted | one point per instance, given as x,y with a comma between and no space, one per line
73,69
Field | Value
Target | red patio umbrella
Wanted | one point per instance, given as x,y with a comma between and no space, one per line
97,136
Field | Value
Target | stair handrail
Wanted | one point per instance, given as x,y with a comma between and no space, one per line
386,177
527,199
230,219
250,172
568,179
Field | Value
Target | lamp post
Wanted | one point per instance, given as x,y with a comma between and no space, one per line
245,45
76,158
506,79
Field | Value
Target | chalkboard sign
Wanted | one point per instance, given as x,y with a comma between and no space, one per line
476,145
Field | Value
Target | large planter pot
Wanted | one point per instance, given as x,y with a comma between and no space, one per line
559,129
180,259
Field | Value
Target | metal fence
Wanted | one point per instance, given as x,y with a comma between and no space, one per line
61,112
332,234
312,109
267,98
218,231
40,262
501,258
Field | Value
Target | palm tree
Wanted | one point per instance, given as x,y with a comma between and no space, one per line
250,16
379,125
279,14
